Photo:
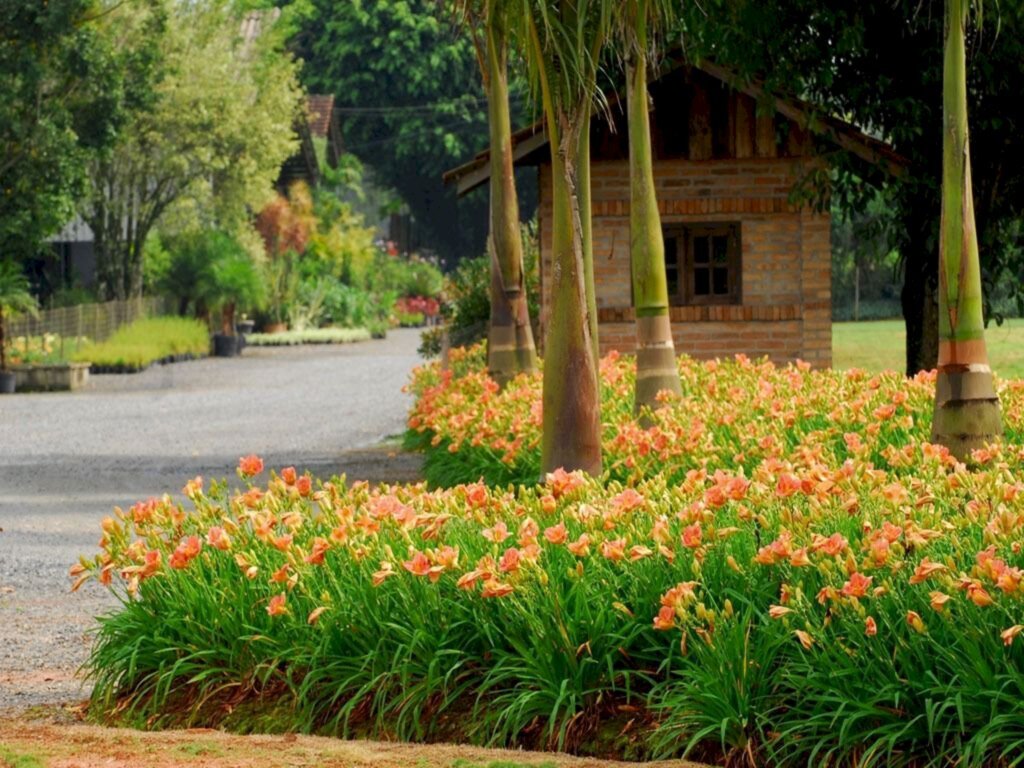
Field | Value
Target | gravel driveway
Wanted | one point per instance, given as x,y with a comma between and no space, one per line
67,458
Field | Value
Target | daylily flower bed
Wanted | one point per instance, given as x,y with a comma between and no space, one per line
814,599
734,413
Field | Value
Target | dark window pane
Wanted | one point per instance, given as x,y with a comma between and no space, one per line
721,280
700,250
701,282
721,246
672,265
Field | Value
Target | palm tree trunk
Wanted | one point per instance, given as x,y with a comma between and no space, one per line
655,352
586,227
510,346
966,406
571,435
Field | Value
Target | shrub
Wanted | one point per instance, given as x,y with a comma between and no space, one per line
143,342
308,336
800,612
468,298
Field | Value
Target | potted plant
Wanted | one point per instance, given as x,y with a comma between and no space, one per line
230,281
15,298
282,286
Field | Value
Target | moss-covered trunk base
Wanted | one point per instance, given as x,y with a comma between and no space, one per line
967,414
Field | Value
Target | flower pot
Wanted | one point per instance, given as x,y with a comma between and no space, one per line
275,327
245,326
225,346
7,381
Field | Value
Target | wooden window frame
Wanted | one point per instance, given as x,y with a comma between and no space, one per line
685,235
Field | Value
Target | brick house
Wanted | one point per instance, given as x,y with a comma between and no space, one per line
748,258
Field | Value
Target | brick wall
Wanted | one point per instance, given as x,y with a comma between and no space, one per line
785,309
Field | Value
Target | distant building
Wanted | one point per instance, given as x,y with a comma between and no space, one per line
320,143
748,262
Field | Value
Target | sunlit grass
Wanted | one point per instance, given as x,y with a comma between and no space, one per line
879,345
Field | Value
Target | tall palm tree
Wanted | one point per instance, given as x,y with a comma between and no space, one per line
563,40
510,345
966,405
637,25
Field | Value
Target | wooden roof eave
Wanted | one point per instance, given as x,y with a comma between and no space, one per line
477,171
844,135
848,137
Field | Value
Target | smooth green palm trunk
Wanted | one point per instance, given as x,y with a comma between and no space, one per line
510,345
966,405
655,352
587,229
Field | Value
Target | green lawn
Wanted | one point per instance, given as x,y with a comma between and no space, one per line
878,345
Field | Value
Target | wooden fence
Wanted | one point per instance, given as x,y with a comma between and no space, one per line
75,326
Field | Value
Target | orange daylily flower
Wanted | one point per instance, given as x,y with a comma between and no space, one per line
509,560
938,600
320,547
498,533
926,569
278,605
857,585
315,615
915,621
614,549
493,588
1008,635
185,552
217,538
556,534
250,466
666,618
580,547
805,639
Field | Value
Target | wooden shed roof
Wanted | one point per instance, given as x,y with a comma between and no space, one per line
533,138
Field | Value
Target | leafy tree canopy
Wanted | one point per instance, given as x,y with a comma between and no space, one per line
209,147
408,85
64,92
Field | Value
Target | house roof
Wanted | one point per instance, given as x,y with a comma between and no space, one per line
847,136
321,112
324,124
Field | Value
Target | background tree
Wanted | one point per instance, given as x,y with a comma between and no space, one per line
852,60
408,88
61,96
15,298
563,42
638,24
218,130
510,346
966,406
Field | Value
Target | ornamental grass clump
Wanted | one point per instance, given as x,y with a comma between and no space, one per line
732,413
137,345
783,610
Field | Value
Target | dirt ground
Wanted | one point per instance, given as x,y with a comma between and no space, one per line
55,739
